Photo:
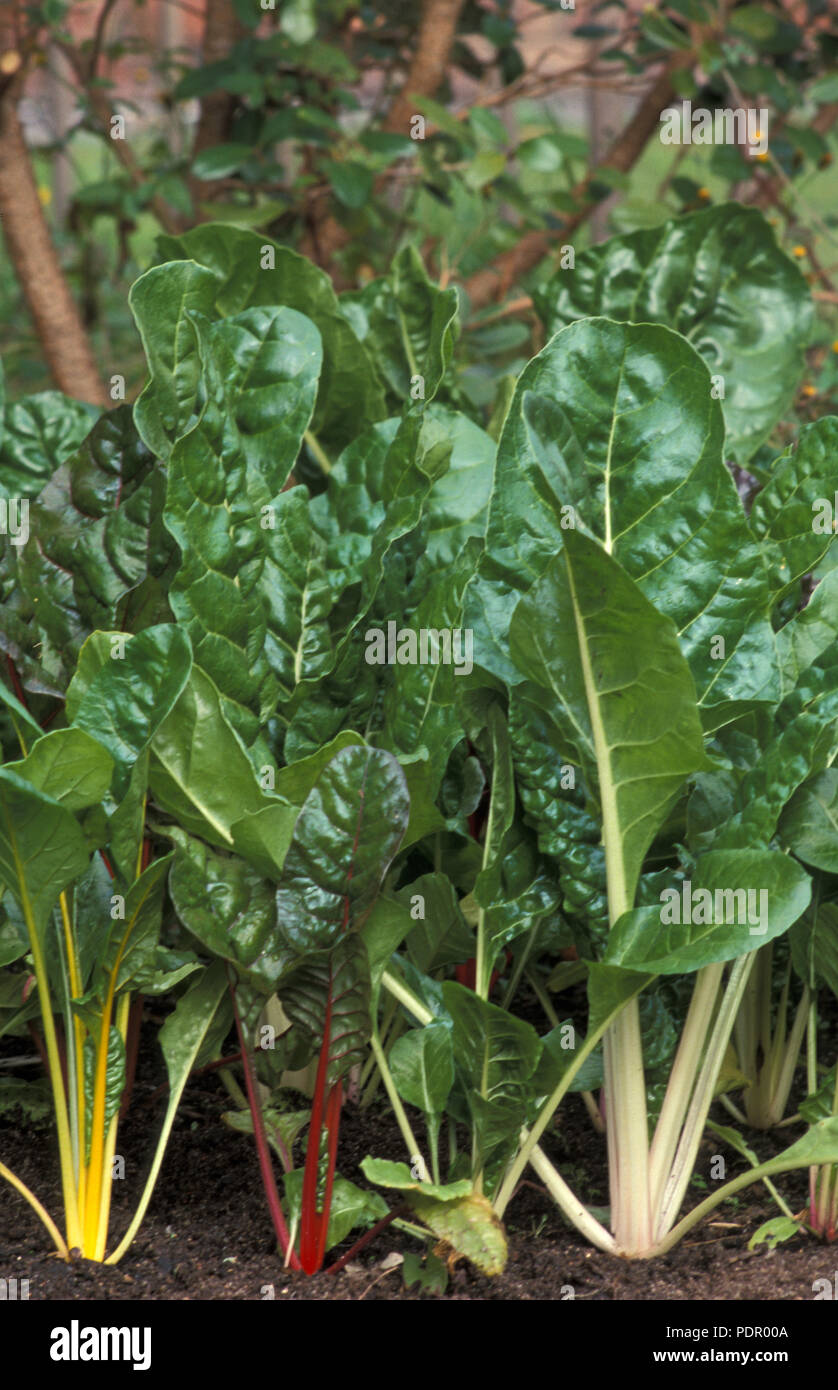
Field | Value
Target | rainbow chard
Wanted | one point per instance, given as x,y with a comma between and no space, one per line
346,836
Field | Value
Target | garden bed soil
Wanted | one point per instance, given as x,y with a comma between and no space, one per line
207,1234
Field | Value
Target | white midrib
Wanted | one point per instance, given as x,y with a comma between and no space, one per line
628,1144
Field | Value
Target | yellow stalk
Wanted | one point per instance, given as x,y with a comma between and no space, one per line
122,1011
62,1123
78,1029
97,1141
44,1215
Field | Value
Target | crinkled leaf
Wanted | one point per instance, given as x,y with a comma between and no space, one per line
614,425
348,831
718,277
640,940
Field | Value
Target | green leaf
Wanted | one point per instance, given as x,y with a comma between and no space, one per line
347,834
718,277
99,554
382,933
220,161
814,946
753,897
42,848
809,633
614,425
468,1225
782,514
440,936
541,154
422,1065
352,183
229,908
420,705
199,771
617,685
484,168
69,766
809,824
331,986
260,370
496,1054
123,703
351,1206
349,395
162,302
410,323
820,1105
773,1232
38,434
384,1173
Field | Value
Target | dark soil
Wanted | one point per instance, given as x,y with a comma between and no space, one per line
207,1234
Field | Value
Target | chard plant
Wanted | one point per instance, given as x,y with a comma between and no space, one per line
83,904
222,605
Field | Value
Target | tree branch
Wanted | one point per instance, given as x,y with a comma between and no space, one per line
437,29
57,321
494,281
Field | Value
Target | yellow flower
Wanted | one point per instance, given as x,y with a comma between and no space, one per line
45,195
798,251
762,157
704,192
808,389
835,345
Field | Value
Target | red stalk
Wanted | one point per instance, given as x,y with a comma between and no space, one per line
265,1164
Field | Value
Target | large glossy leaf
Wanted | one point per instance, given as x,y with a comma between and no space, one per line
69,766
614,424
350,395
327,998
38,434
409,324
809,634
42,848
613,675
752,897
718,277
417,457
420,704
122,693
784,762
784,511
260,372
162,301
496,1055
348,831
229,908
99,555
199,770
809,824
297,596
